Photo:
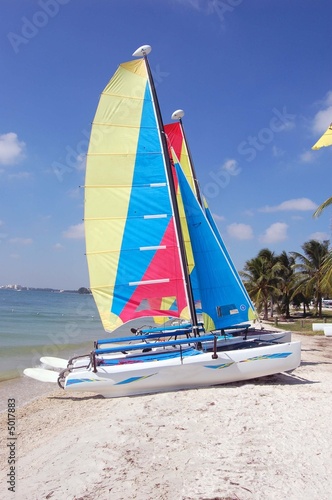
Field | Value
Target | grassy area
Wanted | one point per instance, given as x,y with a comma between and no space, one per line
302,325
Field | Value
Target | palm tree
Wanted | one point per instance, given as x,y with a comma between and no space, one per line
260,278
298,299
286,282
327,273
310,267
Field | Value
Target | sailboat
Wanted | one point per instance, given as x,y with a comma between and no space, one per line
140,214
235,332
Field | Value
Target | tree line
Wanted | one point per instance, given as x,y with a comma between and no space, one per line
275,282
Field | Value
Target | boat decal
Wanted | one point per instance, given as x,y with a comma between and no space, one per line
80,380
218,367
278,355
268,356
134,379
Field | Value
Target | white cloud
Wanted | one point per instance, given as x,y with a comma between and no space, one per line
58,246
11,149
20,175
320,236
248,212
75,232
195,4
218,217
74,193
277,152
323,118
285,127
81,162
301,204
276,232
307,157
21,241
240,231
231,166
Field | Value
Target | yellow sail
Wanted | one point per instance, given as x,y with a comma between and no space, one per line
131,240
110,162
325,140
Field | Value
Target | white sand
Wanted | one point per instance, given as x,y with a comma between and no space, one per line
267,439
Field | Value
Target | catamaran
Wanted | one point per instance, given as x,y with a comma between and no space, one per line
153,251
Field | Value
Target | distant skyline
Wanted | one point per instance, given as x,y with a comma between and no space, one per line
254,79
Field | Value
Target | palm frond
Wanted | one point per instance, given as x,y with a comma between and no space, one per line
322,207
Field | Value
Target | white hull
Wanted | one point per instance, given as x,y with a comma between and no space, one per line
42,375
187,373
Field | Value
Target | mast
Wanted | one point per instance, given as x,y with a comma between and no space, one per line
144,50
178,115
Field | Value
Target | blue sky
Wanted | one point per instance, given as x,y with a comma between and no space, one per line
254,79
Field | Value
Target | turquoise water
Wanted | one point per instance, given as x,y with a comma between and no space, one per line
40,323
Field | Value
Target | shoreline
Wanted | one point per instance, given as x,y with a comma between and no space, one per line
19,384
24,390
264,438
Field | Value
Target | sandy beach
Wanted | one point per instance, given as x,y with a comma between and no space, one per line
269,438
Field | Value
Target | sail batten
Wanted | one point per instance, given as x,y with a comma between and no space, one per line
151,216
160,247
99,186
149,282
156,216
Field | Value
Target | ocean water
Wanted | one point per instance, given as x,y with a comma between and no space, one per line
41,323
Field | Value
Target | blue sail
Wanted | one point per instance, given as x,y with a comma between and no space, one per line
227,256
224,301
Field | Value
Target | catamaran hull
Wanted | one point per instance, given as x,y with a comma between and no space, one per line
189,373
